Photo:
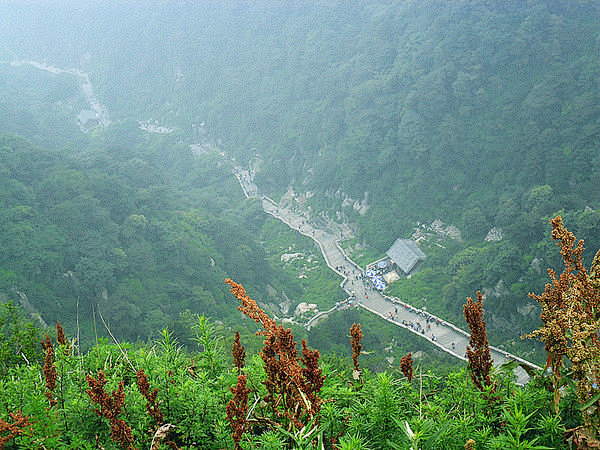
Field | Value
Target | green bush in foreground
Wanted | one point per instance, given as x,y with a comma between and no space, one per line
381,410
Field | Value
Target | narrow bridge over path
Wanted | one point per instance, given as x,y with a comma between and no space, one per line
440,333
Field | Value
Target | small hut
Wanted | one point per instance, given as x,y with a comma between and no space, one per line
406,255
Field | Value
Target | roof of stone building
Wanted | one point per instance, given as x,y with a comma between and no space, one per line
405,254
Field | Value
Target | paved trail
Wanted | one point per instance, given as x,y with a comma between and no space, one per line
447,337
85,85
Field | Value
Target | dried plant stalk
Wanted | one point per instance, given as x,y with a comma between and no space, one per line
151,403
239,353
237,408
292,390
357,335
406,366
110,407
478,350
160,434
60,335
49,370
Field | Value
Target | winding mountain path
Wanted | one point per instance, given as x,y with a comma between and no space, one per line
440,333
85,85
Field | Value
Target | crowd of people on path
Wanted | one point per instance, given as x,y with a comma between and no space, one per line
358,278
362,279
428,317
416,324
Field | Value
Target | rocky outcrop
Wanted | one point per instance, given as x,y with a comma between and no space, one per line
304,308
28,307
494,235
437,226
436,229
286,257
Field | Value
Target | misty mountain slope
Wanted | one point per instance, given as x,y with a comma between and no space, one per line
433,108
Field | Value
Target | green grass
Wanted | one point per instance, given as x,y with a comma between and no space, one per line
424,288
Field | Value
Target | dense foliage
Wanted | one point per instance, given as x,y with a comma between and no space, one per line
40,105
137,232
464,111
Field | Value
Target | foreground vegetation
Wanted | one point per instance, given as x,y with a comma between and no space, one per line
369,412
157,395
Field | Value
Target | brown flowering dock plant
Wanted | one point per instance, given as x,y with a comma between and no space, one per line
356,335
237,409
406,366
239,353
293,391
312,373
571,321
478,350
61,339
49,370
150,396
110,407
60,335
9,431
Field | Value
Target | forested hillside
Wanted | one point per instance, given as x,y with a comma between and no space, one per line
482,114
455,107
131,228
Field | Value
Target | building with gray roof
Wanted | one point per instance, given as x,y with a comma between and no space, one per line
406,255
87,119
